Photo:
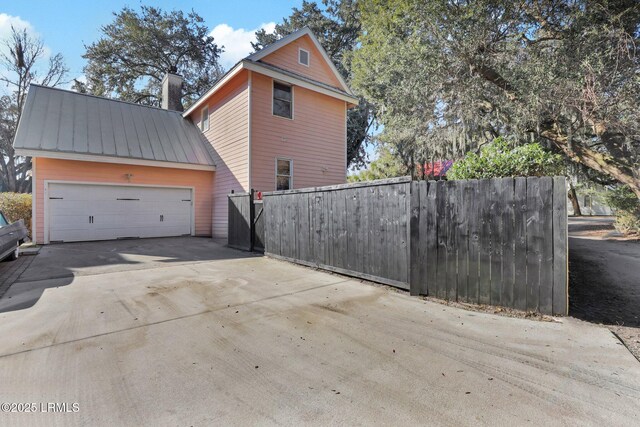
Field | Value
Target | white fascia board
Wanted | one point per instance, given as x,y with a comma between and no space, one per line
298,82
108,159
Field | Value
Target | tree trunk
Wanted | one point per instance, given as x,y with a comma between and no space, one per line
574,201
592,159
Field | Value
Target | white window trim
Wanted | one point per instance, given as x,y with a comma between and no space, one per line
290,172
308,57
202,114
273,81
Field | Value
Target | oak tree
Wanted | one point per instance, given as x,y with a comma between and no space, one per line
138,48
449,75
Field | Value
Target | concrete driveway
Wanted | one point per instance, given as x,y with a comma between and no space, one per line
187,332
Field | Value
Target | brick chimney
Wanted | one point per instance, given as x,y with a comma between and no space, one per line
172,92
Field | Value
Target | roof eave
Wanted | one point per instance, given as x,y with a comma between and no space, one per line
298,81
63,155
228,76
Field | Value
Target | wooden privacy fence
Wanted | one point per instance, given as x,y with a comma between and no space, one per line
239,225
358,229
246,223
498,241
495,241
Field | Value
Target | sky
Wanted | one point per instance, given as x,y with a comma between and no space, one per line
67,26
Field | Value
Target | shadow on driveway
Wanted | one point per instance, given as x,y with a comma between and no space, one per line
58,264
604,275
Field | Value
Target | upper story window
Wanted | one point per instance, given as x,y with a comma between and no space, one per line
282,100
303,57
204,120
284,174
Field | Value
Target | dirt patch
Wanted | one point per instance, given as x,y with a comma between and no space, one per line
501,311
630,337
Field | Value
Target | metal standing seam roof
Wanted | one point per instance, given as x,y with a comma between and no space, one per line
62,121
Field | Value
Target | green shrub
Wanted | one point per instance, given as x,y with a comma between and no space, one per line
627,206
16,206
500,159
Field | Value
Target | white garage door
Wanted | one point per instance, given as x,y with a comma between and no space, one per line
80,212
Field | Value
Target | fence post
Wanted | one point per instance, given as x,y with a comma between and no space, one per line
252,224
414,238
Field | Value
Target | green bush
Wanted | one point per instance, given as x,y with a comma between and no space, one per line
627,206
500,159
16,206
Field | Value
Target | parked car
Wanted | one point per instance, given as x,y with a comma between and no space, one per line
11,237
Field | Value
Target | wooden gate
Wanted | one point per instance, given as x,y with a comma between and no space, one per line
246,222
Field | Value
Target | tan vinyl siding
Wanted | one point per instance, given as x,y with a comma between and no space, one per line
228,135
315,139
287,57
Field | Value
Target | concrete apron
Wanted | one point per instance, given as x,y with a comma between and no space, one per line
255,340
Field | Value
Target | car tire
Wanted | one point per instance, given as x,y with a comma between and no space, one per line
16,253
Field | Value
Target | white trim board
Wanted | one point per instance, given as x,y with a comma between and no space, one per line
109,159
34,198
110,184
249,88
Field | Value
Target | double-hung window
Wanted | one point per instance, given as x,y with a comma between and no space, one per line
282,100
284,174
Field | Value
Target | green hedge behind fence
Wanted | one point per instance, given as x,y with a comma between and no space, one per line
16,206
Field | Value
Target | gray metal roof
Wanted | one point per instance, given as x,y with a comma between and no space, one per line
62,121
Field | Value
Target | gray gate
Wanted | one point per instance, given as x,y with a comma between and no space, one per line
246,222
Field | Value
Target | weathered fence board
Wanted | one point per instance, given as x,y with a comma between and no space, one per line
239,229
507,237
560,271
258,221
520,242
508,240
484,209
360,230
501,241
474,244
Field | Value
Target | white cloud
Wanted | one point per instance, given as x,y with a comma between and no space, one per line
7,21
236,42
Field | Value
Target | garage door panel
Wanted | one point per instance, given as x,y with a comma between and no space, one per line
117,212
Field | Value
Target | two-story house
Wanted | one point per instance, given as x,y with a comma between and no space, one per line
107,169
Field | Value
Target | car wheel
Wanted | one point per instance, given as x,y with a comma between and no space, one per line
16,253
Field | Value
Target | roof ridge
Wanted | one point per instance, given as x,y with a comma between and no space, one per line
104,98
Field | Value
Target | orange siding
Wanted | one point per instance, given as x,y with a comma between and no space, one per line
228,134
315,139
287,57
111,173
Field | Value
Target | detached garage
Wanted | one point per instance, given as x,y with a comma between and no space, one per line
106,169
